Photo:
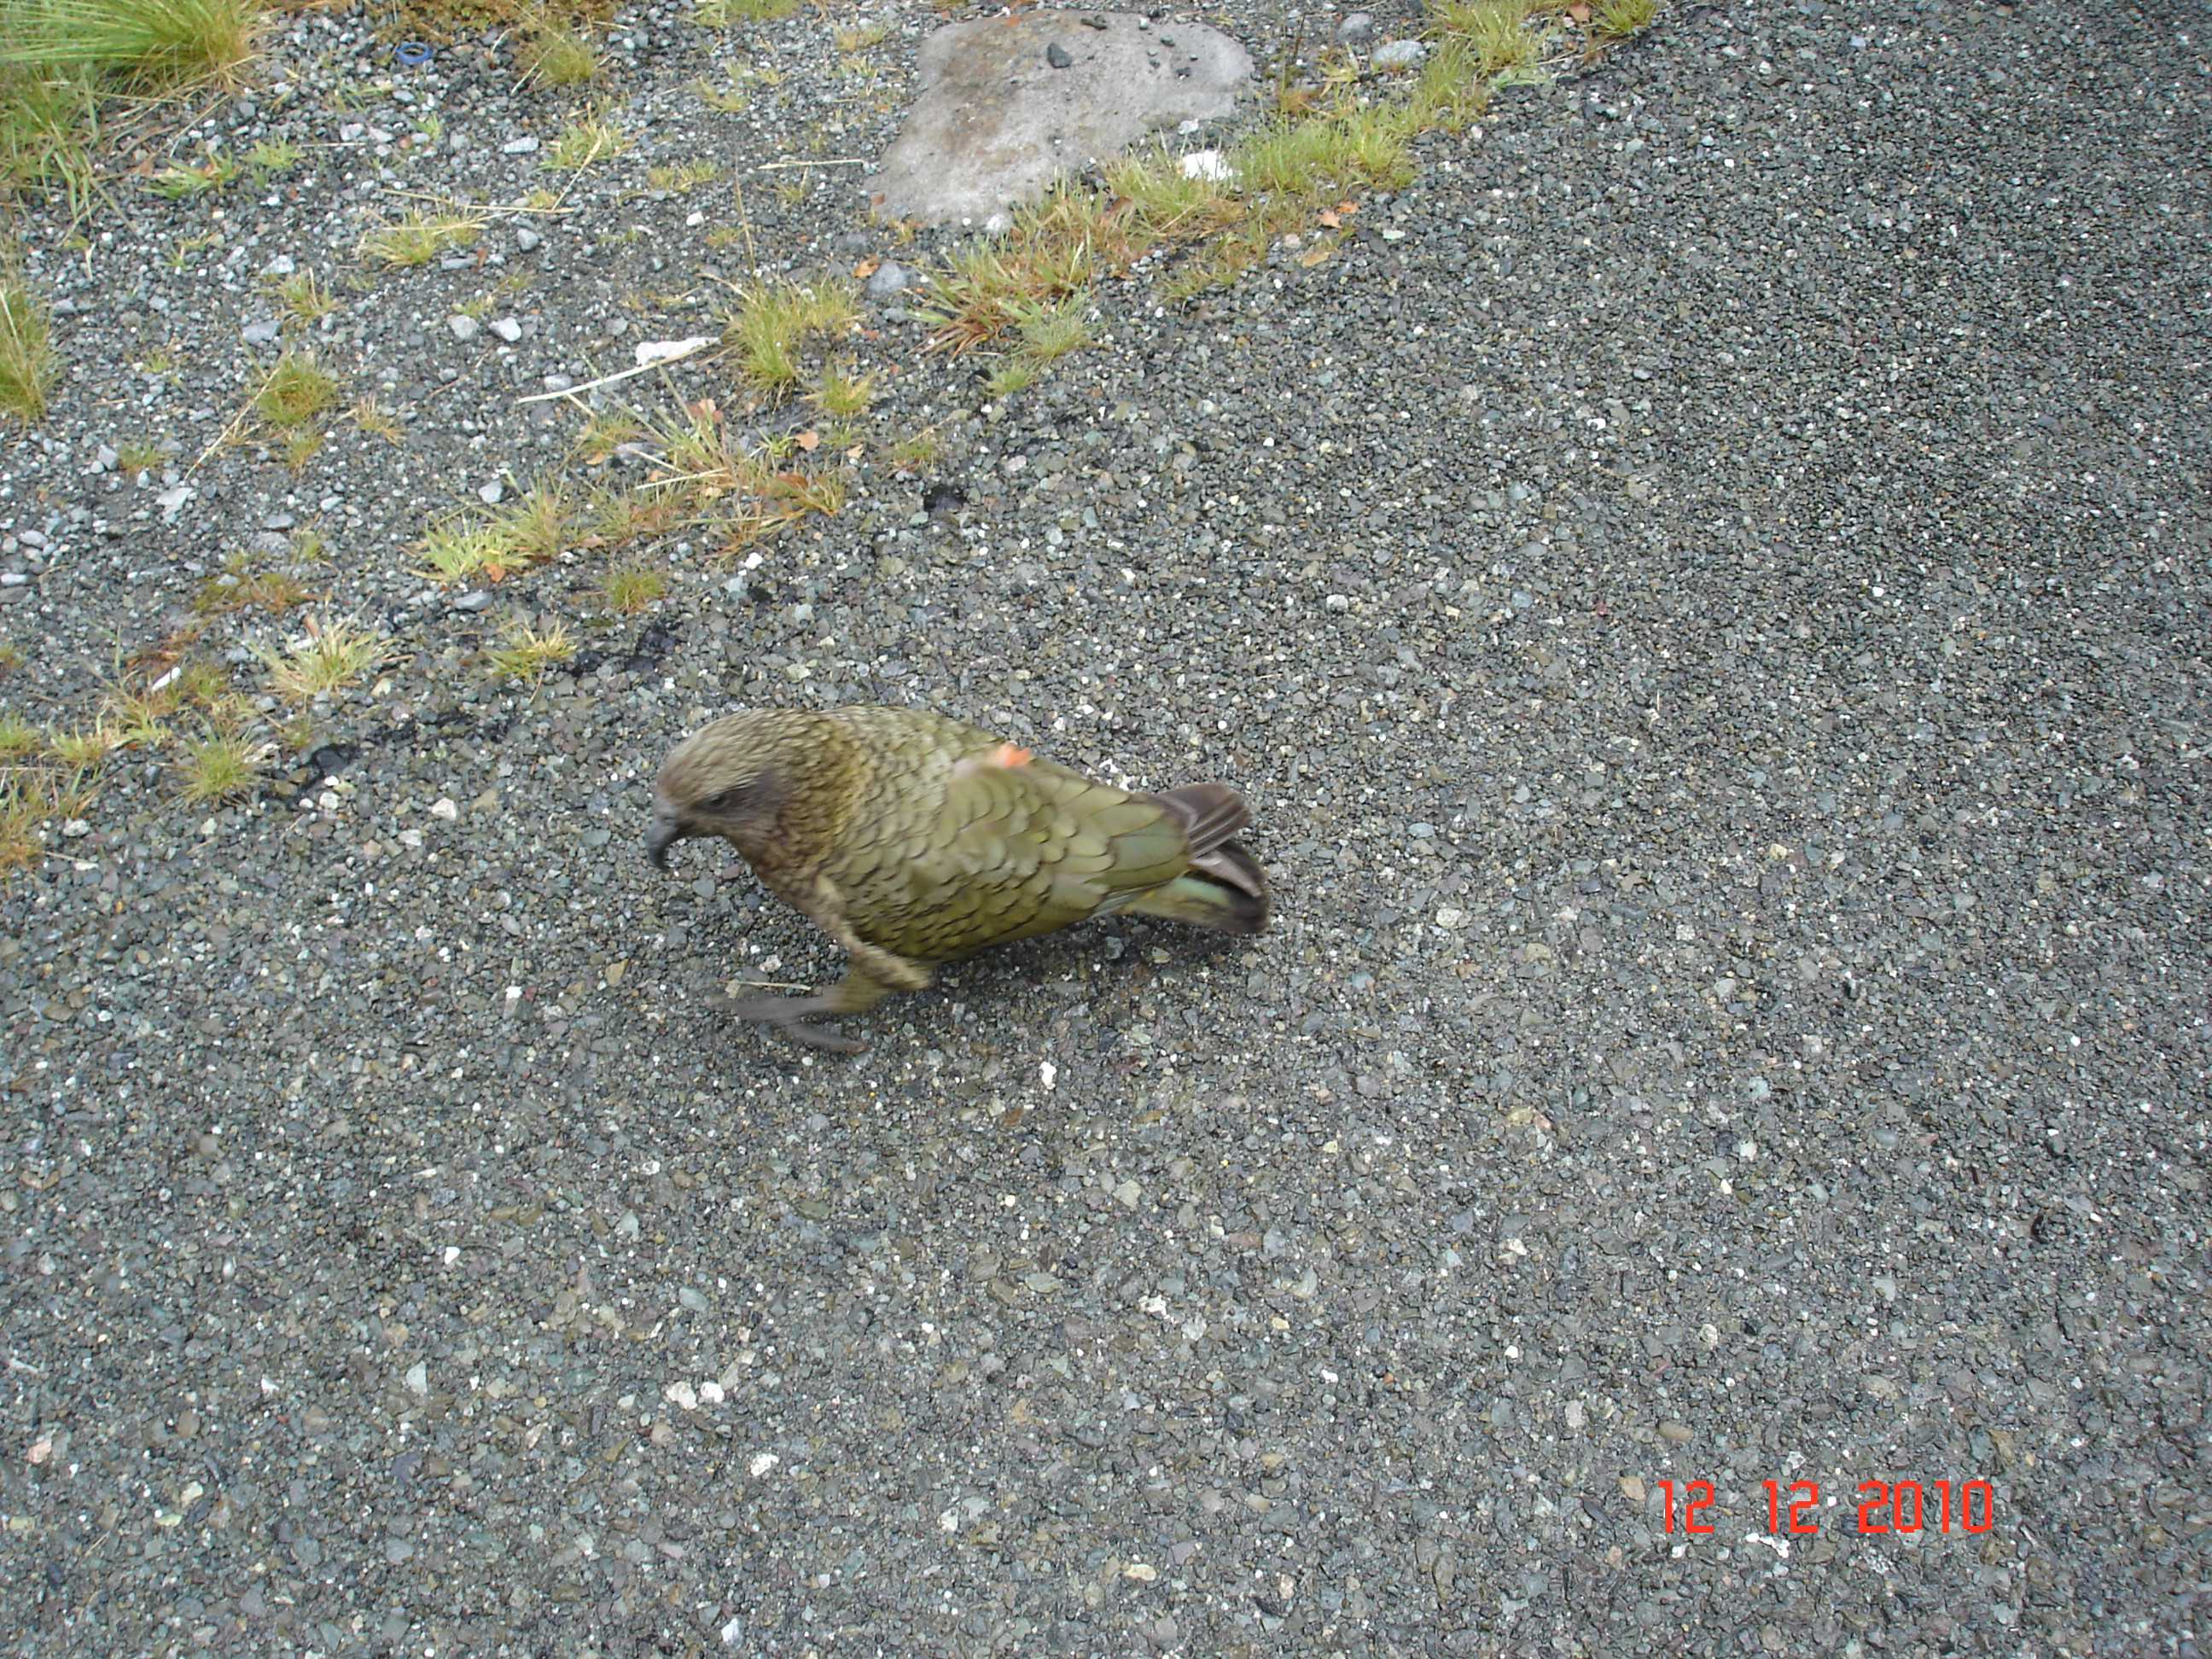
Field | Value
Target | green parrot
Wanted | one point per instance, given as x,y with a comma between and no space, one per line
911,839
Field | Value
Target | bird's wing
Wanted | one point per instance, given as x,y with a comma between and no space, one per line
1018,847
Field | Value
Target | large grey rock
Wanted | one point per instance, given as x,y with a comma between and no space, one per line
998,121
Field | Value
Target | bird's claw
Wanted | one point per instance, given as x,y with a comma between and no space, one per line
791,1016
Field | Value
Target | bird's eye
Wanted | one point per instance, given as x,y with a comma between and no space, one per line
728,801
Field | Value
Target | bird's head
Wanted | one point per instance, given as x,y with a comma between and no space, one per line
730,779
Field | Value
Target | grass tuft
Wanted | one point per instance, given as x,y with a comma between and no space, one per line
144,46
773,323
27,365
49,121
82,748
420,236
298,390
222,763
585,144
723,14
554,53
480,546
19,738
842,394
530,654
1168,204
1507,51
304,297
329,657
1615,21
631,587
240,586
1053,332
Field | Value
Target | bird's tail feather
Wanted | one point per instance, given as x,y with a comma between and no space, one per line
1224,892
1211,814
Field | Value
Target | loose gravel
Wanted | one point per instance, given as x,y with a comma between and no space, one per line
1707,593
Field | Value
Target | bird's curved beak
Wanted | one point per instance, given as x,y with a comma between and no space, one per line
663,833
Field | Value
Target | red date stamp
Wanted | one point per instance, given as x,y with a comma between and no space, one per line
1897,1506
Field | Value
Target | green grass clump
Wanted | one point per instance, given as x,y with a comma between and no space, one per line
723,14
140,46
18,737
1615,21
480,546
49,121
271,157
554,53
542,525
418,237
773,323
222,763
304,297
1507,51
632,588
298,389
333,654
179,183
1168,204
842,394
27,365
25,804
530,654
585,144
1016,374
82,748
1052,331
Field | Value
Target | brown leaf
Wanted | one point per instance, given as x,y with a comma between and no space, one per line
1347,207
1317,256
868,268
808,442
1580,13
1332,220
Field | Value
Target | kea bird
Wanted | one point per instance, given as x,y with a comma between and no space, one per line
911,839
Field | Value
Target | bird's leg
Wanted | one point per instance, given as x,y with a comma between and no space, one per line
825,907
855,994
871,975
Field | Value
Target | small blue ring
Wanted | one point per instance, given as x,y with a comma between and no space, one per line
413,53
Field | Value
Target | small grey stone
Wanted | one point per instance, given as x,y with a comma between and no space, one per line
889,278
1356,29
262,331
1400,54
507,329
526,238
464,328
523,146
1056,55
475,599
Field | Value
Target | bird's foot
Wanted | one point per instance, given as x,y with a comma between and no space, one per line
791,1014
